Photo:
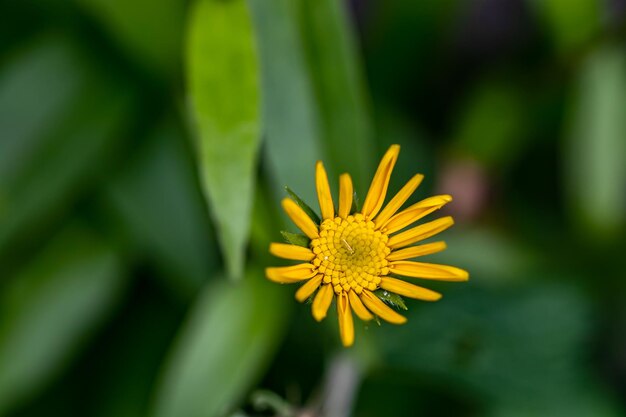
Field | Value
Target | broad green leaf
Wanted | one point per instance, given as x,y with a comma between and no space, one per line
291,129
230,334
48,64
508,260
50,186
156,200
595,149
223,85
128,355
50,307
151,32
64,156
519,348
313,94
336,74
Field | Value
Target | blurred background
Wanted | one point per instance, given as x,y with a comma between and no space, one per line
144,147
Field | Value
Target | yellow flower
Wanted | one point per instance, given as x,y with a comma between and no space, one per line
351,255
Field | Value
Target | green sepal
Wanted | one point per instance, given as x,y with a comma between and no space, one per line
296,239
304,206
391,298
309,300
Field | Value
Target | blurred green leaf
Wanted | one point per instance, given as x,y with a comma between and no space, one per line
588,399
156,199
416,156
150,31
313,94
508,261
290,115
402,44
227,340
571,22
59,161
595,149
49,64
126,357
265,223
50,307
492,124
521,346
222,76
335,70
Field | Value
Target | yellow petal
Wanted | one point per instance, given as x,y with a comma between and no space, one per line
381,309
378,188
322,301
421,232
398,200
408,290
294,252
414,213
290,274
415,251
346,324
345,195
308,288
300,219
428,271
323,192
358,307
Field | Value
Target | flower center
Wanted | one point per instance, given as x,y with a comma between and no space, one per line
351,254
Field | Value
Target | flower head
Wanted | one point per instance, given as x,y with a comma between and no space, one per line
349,254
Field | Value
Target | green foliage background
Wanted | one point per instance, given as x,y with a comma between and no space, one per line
144,149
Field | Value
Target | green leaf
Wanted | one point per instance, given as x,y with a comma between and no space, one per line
48,309
470,341
509,261
335,70
224,345
313,90
132,347
571,22
296,238
290,114
494,141
155,186
50,64
595,147
151,32
391,298
223,85
304,206
42,181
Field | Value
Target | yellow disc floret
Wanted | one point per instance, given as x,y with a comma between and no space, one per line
351,254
